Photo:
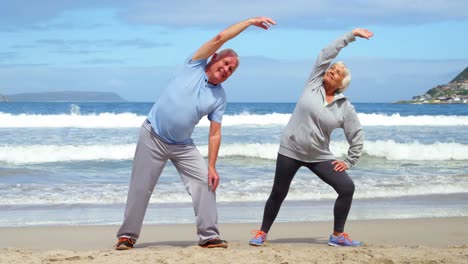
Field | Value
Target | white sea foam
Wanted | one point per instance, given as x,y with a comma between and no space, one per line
391,150
103,120
115,194
123,120
67,153
388,149
419,120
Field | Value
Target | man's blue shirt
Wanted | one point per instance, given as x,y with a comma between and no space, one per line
187,98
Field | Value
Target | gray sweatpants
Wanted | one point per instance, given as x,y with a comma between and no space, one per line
150,158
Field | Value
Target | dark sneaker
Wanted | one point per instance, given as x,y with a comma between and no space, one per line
214,243
125,243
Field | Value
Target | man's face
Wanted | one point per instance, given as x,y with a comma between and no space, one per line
220,68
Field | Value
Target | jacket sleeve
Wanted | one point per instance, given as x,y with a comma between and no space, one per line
354,135
329,53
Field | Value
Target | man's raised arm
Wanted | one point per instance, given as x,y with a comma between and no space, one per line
210,47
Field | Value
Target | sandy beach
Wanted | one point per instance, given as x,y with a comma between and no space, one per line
430,240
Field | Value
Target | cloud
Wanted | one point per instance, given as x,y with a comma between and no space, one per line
296,13
20,14
5,56
44,27
208,13
94,46
11,66
140,43
103,61
70,46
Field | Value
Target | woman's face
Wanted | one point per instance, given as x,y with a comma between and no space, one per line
334,76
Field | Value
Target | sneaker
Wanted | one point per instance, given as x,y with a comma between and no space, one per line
258,239
125,243
344,241
214,243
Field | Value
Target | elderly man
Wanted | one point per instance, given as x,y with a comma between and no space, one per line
194,92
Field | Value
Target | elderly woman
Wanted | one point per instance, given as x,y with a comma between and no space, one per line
306,138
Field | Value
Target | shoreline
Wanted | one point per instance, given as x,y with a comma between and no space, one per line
409,207
428,232
421,240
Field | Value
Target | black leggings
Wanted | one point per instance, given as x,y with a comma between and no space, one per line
286,168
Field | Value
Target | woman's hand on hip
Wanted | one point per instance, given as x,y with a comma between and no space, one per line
339,165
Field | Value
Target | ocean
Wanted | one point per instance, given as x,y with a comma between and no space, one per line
70,163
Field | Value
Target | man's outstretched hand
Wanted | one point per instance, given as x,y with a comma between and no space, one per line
263,22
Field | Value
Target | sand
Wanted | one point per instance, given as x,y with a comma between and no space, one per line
429,240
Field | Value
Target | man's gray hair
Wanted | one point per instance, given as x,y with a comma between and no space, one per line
346,79
224,51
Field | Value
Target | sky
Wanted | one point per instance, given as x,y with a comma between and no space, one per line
133,47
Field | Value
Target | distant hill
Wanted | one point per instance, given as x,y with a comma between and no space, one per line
72,96
454,92
462,77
